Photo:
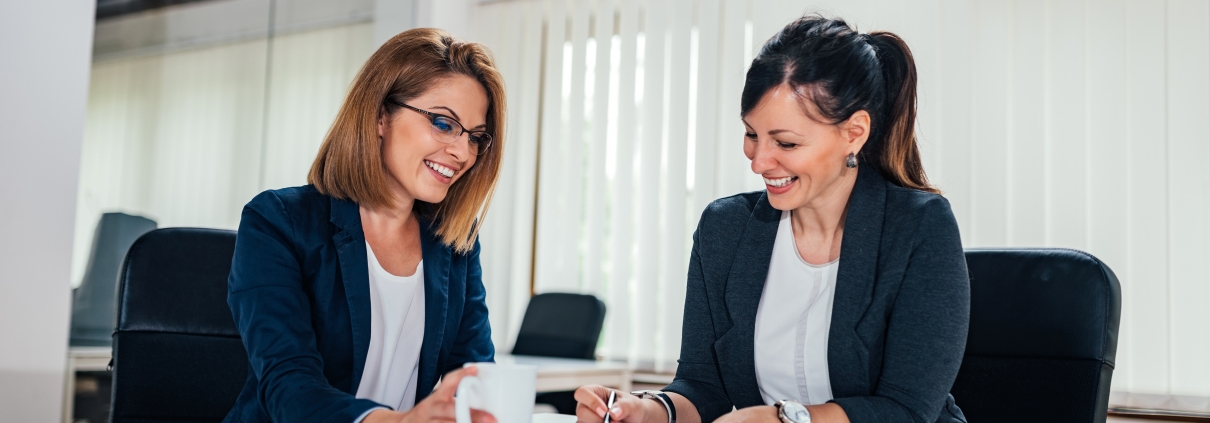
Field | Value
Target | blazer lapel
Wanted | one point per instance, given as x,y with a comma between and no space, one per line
350,244
745,283
848,355
437,258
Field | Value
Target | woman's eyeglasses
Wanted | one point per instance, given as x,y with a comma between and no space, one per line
447,130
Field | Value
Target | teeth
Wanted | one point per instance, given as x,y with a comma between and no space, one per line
444,171
780,182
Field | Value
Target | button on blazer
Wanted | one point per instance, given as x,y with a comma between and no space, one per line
300,295
899,321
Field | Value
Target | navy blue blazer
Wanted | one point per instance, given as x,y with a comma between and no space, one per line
899,318
300,295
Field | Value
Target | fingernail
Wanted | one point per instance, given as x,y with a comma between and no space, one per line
615,411
601,412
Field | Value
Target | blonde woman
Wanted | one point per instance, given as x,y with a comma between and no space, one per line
355,293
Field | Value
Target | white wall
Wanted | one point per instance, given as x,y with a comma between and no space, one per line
46,48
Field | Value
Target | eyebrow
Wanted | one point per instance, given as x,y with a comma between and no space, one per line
456,117
773,132
778,131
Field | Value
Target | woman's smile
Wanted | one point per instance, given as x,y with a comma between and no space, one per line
780,185
443,173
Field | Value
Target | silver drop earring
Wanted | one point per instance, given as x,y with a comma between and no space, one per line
851,161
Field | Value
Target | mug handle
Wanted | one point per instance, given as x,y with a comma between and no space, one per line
462,401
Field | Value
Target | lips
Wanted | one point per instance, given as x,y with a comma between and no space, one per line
780,185
780,182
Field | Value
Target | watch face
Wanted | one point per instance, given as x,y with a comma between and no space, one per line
796,412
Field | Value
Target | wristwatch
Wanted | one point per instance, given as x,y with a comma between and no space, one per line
792,412
661,398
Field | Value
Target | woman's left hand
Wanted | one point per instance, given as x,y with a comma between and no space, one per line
757,414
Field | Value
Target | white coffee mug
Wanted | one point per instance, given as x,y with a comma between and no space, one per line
504,390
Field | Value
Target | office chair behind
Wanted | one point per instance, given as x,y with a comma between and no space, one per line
561,325
1043,336
176,353
93,302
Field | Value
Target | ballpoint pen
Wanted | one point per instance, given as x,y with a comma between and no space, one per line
613,395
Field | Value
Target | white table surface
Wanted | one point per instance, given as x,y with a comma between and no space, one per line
554,418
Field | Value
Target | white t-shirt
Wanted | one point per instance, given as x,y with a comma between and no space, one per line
396,334
792,323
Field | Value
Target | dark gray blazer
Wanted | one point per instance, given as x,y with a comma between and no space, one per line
899,319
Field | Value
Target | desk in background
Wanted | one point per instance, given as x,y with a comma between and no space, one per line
567,374
554,374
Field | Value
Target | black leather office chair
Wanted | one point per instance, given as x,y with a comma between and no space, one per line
176,353
93,302
561,325
1043,336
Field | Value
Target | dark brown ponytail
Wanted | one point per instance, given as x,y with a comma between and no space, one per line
895,154
847,72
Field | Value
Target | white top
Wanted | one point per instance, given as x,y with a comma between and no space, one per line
792,324
396,333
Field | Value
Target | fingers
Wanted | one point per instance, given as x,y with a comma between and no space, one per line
584,414
449,383
592,397
480,416
625,406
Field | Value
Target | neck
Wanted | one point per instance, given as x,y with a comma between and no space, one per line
394,217
823,218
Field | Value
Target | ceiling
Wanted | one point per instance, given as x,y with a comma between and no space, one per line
114,8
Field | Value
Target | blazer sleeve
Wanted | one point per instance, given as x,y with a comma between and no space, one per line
697,374
273,315
926,332
474,341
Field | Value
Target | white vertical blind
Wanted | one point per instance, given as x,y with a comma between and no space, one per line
177,137
1189,188
1145,341
1066,123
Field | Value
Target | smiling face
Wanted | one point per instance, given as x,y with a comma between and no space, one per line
801,159
418,165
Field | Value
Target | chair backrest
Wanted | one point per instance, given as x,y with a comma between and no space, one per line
561,325
93,303
176,353
1043,336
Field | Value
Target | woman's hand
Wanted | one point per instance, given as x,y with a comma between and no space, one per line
437,407
823,413
591,401
757,414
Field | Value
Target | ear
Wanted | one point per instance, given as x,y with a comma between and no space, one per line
383,125
856,130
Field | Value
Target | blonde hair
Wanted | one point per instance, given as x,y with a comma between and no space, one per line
350,165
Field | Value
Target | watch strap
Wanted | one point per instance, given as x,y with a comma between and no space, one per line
661,398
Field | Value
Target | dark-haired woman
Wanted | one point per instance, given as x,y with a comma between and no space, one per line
840,292
355,293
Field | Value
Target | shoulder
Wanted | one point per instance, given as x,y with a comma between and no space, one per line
299,196
727,217
290,201
296,209
735,207
916,204
925,214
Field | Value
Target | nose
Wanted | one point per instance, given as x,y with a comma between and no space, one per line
461,147
762,156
